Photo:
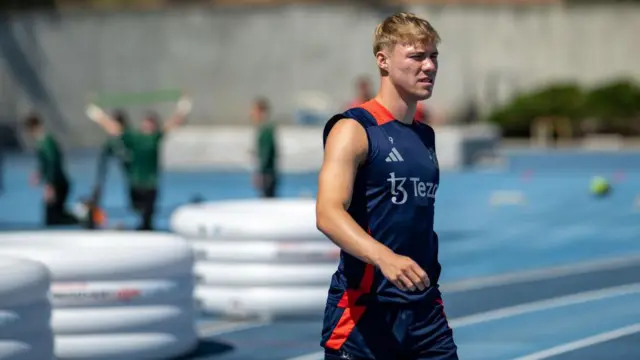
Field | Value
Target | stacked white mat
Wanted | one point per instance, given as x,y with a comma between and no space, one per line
262,258
25,312
115,295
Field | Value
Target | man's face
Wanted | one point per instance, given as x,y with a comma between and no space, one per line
148,126
412,68
257,114
34,131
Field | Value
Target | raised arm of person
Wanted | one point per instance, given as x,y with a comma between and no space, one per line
183,109
108,123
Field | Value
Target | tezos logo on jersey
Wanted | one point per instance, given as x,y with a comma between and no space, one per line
401,190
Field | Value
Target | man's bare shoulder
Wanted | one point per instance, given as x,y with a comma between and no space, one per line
347,128
347,123
348,135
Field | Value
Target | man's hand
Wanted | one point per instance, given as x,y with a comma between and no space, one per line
184,105
99,116
49,193
403,272
94,112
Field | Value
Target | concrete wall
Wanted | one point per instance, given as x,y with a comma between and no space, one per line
224,57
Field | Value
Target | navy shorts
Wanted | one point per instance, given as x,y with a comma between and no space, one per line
387,331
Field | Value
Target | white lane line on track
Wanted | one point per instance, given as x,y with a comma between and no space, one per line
539,274
530,307
583,343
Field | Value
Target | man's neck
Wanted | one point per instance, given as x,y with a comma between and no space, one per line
401,109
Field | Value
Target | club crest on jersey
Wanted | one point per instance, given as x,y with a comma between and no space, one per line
433,157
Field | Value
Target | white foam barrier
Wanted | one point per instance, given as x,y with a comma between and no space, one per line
25,311
269,219
262,301
266,251
262,258
243,274
115,295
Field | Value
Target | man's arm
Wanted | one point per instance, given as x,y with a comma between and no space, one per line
345,150
183,109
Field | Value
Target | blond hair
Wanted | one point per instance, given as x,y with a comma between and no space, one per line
404,28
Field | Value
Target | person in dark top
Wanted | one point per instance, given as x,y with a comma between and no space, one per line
143,145
376,200
266,173
51,173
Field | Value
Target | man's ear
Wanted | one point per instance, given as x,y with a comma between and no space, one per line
382,60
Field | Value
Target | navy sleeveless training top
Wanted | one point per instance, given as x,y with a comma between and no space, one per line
393,199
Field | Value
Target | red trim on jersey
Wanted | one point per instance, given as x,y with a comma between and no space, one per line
383,116
379,112
352,312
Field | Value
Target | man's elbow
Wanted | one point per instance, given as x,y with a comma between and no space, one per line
326,214
324,219
321,218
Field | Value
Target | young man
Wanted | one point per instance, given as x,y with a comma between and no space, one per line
266,175
377,189
144,147
51,173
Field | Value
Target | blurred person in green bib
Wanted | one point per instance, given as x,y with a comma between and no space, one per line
51,173
266,150
143,145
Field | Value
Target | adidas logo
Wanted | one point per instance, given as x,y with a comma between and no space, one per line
394,156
